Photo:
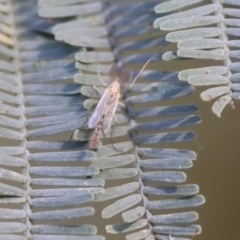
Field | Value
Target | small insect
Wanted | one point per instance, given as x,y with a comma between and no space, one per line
105,110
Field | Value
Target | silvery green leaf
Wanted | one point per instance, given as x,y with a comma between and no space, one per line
54,109
194,33
50,130
231,12
170,91
11,151
216,54
8,66
64,229
129,8
76,32
82,41
132,30
113,162
166,163
10,122
193,12
165,111
45,100
126,227
6,213
212,93
69,11
164,176
232,22
170,55
13,200
94,57
155,87
9,87
133,214
60,192
8,52
176,203
220,104
62,201
235,67
155,41
178,230
178,190
64,237
200,43
12,161
138,235
231,2
5,97
207,80
234,54
118,191
63,214
184,23
64,171
173,5
12,175
56,119
58,89
169,237
46,66
150,237
91,79
56,145
49,54
166,153
12,237
185,74
8,190
134,19
232,31
42,77
121,205
10,78
10,134
95,182
78,23
235,77
165,137
12,227
118,173
174,218
94,67
169,123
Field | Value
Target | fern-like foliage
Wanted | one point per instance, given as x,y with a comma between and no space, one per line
48,181
208,31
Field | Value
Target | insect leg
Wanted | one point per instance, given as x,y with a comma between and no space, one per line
97,90
118,150
101,79
86,120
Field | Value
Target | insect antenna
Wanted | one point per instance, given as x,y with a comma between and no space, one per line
144,66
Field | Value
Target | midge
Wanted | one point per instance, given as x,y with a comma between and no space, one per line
102,116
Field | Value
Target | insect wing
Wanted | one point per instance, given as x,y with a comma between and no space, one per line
110,113
99,110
